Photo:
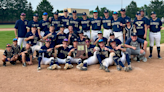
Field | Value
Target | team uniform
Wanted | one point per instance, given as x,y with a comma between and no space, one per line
28,54
117,29
75,24
125,19
44,27
21,27
107,24
104,39
33,24
128,31
118,42
56,23
96,27
52,37
86,27
60,38
17,51
65,21
72,38
9,54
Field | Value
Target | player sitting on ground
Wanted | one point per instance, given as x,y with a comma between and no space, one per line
133,47
8,55
26,54
16,49
100,36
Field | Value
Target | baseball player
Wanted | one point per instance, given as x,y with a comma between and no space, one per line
33,22
20,29
56,21
124,17
120,57
51,34
81,38
133,47
147,21
75,22
16,49
92,58
43,25
100,36
26,54
85,23
72,53
46,55
65,21
33,37
140,26
155,27
96,23
61,35
118,42
128,29
107,24
8,55
61,52
117,24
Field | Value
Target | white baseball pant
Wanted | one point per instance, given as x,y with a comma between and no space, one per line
42,34
74,60
106,33
46,61
94,34
20,41
61,61
91,60
35,47
119,35
66,31
156,37
88,33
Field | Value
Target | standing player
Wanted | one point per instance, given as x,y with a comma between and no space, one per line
107,24
65,21
100,36
85,23
155,27
124,17
56,21
20,29
133,47
16,49
8,55
43,25
147,21
96,25
117,24
140,26
75,22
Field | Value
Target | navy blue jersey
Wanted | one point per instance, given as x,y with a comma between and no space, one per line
81,41
75,23
125,19
52,37
147,21
33,23
107,22
116,25
90,50
29,51
56,23
104,39
155,25
140,26
9,54
44,25
72,38
85,24
36,37
60,38
128,31
16,49
47,54
103,53
65,21
96,23
118,42
135,43
63,53
21,26
118,53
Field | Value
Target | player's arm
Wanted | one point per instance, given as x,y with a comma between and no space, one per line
145,45
124,32
58,46
28,26
28,38
70,52
96,41
16,29
134,30
69,39
40,26
127,44
143,42
145,31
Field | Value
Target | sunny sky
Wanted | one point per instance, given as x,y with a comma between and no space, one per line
114,5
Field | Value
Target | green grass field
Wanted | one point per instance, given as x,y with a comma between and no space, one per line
7,26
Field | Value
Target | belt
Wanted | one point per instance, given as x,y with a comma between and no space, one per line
154,32
107,28
85,30
97,30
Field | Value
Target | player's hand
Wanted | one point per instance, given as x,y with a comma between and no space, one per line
48,50
26,51
70,35
134,48
31,37
16,37
40,36
49,34
109,40
145,36
106,49
121,24
8,59
59,33
72,50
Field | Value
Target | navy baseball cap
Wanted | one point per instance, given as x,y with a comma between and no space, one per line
56,13
101,40
142,10
15,39
45,13
61,25
52,25
8,45
112,40
36,15
106,11
75,40
115,13
138,13
84,13
134,34
128,21
29,42
94,11
153,12
111,34
100,32
80,32
34,26
74,11
65,10
123,9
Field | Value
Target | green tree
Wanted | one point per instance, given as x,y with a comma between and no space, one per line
29,12
131,9
98,10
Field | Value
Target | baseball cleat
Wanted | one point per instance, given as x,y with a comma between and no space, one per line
101,67
150,56
144,59
79,66
83,68
70,66
126,69
66,66
159,57
118,68
54,66
49,68
24,65
130,68
58,67
106,69
39,68
4,65
135,58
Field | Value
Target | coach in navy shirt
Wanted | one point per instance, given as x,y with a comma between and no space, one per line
33,22
20,29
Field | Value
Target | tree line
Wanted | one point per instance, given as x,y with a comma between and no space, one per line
10,10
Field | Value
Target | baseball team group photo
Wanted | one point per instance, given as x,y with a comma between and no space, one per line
54,48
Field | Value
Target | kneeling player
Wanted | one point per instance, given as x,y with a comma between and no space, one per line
26,54
16,49
8,55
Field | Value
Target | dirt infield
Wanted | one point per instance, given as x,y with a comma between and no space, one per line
145,77
7,29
